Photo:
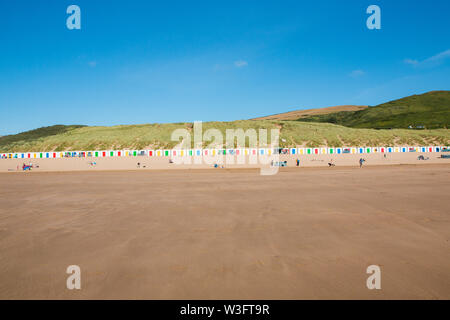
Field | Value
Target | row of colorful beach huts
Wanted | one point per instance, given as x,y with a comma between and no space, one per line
214,152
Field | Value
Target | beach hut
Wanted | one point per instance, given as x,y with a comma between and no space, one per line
331,150
382,149
309,151
293,151
323,150
316,150
360,150
346,150
390,149
437,149
403,149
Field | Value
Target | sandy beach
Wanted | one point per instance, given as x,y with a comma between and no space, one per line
304,233
162,163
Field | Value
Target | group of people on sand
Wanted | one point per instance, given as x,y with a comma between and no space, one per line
28,167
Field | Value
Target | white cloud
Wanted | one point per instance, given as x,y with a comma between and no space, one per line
357,73
440,56
241,63
411,61
432,61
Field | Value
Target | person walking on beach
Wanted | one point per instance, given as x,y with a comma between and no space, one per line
298,162
361,161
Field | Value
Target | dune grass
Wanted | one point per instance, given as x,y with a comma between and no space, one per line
292,133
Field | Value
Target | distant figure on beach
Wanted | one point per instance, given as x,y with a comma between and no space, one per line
298,162
331,164
138,164
170,161
385,155
361,161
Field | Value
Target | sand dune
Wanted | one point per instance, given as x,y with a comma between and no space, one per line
297,114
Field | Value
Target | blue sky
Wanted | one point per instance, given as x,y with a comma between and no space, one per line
175,61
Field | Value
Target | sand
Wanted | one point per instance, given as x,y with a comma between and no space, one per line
159,163
305,233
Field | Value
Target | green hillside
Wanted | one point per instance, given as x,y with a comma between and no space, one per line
292,133
429,110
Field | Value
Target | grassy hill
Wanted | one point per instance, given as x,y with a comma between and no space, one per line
430,110
292,133
296,114
316,127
